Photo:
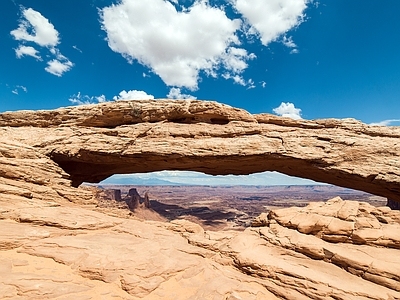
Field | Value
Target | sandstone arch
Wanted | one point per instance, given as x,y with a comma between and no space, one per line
93,142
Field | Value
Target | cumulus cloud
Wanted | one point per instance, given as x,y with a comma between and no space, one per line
288,110
133,95
385,122
27,50
35,28
272,18
80,99
175,45
175,93
60,65
189,38
57,67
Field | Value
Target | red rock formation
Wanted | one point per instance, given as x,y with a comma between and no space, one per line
133,199
93,142
54,243
146,200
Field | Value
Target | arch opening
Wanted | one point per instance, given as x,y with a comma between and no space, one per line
219,202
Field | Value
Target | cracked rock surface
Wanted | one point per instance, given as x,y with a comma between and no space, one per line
90,143
56,244
85,253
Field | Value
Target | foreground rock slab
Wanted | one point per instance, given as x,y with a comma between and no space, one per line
85,253
103,257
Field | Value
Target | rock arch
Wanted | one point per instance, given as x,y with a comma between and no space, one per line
93,142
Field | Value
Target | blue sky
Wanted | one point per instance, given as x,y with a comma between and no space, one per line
298,58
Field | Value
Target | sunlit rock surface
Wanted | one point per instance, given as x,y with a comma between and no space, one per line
93,142
56,244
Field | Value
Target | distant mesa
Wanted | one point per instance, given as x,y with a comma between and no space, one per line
139,181
60,149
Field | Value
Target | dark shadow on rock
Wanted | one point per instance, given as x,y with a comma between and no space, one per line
205,214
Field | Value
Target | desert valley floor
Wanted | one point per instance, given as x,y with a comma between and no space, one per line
230,207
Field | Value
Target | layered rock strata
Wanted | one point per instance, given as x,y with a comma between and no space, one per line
93,142
56,244
63,251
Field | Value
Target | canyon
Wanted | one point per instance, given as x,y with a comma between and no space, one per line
56,242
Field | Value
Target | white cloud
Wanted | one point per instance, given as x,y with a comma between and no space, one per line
27,50
34,27
60,65
77,49
176,45
288,110
237,79
288,42
133,95
250,84
175,93
80,99
235,59
385,122
57,67
19,88
272,18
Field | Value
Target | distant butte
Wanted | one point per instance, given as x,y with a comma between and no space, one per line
59,149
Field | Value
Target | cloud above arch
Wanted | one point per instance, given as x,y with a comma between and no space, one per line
179,42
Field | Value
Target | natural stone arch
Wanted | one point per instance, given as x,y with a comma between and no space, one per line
94,142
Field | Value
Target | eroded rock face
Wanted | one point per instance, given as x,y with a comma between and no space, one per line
55,243
93,142
49,250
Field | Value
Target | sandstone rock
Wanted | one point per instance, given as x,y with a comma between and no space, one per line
111,258
133,199
49,250
57,243
146,200
110,194
341,221
93,142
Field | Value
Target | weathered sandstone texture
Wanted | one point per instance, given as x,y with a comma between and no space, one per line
51,250
93,142
55,243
